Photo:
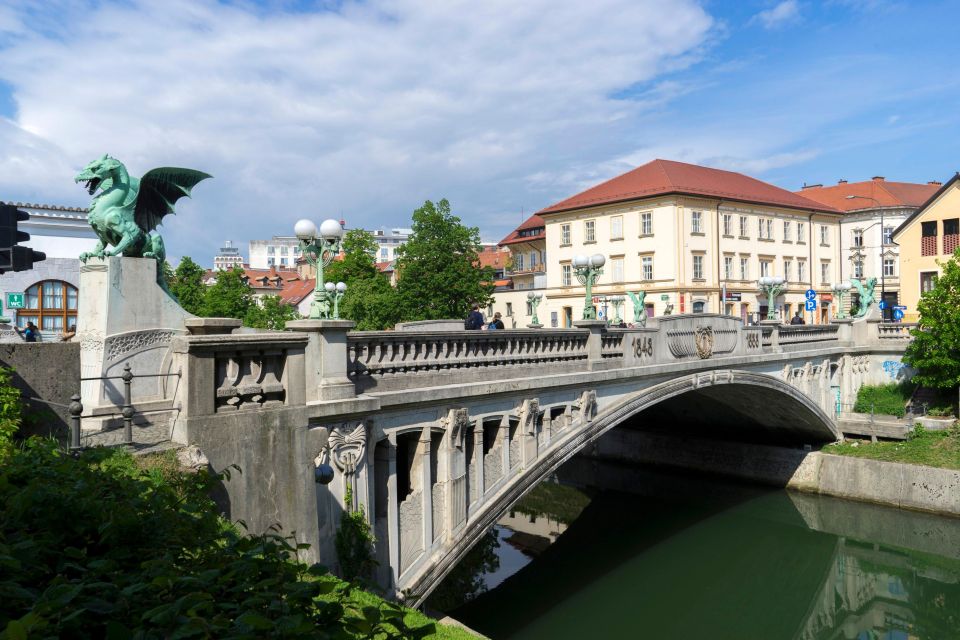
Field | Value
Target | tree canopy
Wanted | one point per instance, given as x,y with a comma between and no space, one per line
439,276
187,286
935,350
369,301
229,297
271,313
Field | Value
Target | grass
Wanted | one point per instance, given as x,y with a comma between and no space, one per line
413,618
928,448
885,399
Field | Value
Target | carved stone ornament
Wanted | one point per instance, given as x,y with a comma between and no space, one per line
120,345
753,339
588,405
704,340
344,449
643,346
528,413
456,423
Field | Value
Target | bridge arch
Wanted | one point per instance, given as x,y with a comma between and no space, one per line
771,402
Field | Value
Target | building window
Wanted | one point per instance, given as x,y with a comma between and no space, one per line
786,231
51,305
283,262
951,235
801,238
744,268
509,309
769,229
888,268
928,238
728,267
616,269
888,235
765,228
696,219
283,251
928,280
727,224
616,228
296,251
590,231
824,272
646,223
743,227
787,269
384,254
698,267
824,235
698,306
801,270
566,277
519,265
764,268
271,262
858,270
858,237
564,234
533,259
646,267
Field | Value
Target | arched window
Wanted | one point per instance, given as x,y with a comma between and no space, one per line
51,305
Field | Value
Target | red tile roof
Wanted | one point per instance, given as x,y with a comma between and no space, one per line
295,292
888,194
662,177
533,222
493,257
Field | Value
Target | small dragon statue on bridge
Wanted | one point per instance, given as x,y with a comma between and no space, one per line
126,211
867,297
639,312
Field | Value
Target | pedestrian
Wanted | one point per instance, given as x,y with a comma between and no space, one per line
496,323
797,319
30,333
474,321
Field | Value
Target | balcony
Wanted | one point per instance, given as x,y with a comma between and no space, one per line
524,270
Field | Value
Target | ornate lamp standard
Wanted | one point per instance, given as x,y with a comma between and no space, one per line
534,299
772,286
335,292
617,303
319,251
588,269
840,289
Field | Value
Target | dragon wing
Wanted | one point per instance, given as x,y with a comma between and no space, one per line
159,191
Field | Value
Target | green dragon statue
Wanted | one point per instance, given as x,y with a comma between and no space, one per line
126,211
639,312
866,295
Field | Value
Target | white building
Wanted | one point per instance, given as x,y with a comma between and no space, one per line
51,288
279,251
388,243
228,258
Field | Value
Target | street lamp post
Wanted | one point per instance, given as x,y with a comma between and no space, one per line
617,303
840,289
335,292
534,299
319,251
772,286
588,269
883,231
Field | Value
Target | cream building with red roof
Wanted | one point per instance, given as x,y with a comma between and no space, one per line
695,239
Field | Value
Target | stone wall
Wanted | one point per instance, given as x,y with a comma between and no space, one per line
47,370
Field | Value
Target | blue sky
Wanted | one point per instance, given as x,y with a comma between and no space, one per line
363,110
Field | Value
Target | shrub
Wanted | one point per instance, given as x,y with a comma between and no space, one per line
887,399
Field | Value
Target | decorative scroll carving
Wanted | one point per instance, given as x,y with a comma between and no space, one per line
119,345
250,381
753,339
587,405
528,413
455,423
91,341
703,336
344,448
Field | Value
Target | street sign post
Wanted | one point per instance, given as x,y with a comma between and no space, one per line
883,305
811,305
15,301
897,314
811,294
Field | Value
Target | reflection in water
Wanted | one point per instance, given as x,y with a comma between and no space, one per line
738,563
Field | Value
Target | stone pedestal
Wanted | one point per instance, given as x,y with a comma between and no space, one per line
534,326
774,326
125,317
326,359
594,344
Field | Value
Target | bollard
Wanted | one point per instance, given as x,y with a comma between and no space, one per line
75,410
127,410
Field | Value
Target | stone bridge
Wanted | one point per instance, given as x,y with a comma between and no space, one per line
436,433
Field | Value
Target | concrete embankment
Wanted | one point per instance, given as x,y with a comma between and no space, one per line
887,483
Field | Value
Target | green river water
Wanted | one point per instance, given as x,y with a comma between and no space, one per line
699,558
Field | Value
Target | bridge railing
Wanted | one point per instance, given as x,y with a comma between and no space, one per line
895,330
798,334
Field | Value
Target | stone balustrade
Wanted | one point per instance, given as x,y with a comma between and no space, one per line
797,334
895,330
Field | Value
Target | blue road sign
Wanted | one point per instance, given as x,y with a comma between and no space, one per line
811,295
811,305
897,314
901,307
883,305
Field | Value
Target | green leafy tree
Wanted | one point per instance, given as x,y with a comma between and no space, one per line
369,301
186,284
439,276
935,350
229,297
271,313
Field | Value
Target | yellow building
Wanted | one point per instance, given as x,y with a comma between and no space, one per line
696,240
930,235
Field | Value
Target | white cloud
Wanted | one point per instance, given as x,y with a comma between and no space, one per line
780,15
362,112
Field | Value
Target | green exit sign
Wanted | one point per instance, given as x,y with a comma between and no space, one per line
15,301
664,297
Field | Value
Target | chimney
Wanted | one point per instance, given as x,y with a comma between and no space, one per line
841,181
935,183
878,178
811,186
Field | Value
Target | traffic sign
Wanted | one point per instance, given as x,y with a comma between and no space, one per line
897,314
811,294
900,307
15,301
883,305
811,305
